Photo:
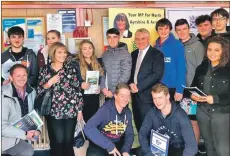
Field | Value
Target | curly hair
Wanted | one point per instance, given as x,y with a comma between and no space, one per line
225,56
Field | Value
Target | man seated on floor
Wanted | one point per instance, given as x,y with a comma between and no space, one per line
169,119
110,130
17,101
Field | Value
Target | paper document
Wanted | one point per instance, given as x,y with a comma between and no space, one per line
194,90
31,121
92,77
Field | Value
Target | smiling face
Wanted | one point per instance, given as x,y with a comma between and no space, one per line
205,29
183,32
87,50
121,24
163,32
160,100
52,38
113,40
122,98
16,40
214,53
19,77
142,40
60,55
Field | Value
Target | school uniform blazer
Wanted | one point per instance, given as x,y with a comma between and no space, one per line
150,73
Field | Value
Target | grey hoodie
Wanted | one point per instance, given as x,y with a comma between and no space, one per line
11,112
194,54
117,63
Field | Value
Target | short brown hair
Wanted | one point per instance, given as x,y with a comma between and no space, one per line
160,87
53,49
121,86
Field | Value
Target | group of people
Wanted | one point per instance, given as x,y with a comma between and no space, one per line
151,76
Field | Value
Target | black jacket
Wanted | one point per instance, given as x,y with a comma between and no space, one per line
150,73
8,58
214,81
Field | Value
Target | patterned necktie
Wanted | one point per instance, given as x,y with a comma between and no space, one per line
138,65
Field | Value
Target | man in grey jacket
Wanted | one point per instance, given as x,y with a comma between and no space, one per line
194,50
117,62
17,101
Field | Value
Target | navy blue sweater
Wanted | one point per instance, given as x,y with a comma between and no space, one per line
176,125
107,127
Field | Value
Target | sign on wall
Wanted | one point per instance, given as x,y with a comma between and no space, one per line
127,21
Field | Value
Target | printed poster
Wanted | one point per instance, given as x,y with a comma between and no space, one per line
54,22
8,23
68,20
190,14
34,28
133,19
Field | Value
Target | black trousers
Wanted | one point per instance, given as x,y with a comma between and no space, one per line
140,109
95,150
61,135
175,151
214,128
91,105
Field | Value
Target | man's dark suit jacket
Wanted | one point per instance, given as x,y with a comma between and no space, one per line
150,72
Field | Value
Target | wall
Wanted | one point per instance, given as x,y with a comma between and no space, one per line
95,31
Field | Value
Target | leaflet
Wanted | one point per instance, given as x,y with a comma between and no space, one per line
92,77
31,121
194,90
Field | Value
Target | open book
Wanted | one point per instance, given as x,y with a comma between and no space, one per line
194,90
159,144
92,77
30,121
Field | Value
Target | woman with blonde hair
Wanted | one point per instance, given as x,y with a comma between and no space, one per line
67,101
89,62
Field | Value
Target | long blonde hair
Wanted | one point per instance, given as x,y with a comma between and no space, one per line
83,65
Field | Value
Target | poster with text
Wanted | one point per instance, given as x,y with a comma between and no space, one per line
68,20
54,22
34,28
8,23
127,21
190,14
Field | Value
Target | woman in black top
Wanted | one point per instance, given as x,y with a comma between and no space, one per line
89,62
213,78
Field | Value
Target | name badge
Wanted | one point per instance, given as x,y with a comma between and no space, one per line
159,143
167,59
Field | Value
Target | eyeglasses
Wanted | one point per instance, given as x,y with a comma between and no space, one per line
218,19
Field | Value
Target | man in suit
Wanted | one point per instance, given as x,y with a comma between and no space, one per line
147,70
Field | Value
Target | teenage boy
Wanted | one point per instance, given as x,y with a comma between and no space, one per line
175,65
220,19
117,62
110,130
168,119
18,54
204,26
17,101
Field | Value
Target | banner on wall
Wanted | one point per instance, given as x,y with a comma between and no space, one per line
34,28
127,21
190,14
8,23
